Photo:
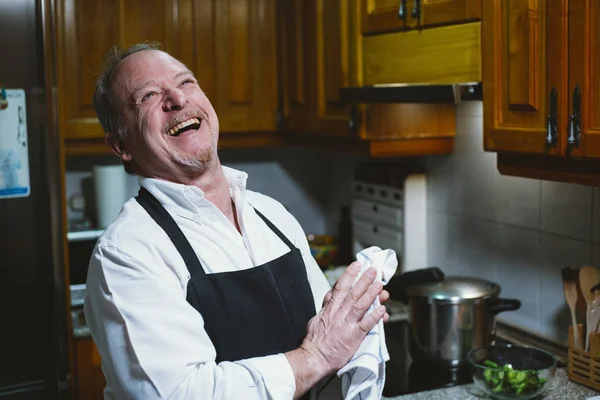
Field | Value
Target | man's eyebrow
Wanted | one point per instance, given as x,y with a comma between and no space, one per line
142,87
185,72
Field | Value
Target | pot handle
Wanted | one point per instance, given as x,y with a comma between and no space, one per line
499,305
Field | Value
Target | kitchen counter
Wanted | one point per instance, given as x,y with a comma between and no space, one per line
562,388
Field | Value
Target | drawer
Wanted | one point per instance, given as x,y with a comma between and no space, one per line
369,234
392,196
377,213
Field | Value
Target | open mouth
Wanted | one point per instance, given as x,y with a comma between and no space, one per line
190,124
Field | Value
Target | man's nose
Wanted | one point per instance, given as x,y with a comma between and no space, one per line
174,100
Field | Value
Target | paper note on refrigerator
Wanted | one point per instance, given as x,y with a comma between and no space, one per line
14,152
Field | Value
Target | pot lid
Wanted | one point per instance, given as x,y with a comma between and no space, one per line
456,288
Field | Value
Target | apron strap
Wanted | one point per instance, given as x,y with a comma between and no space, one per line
166,221
275,230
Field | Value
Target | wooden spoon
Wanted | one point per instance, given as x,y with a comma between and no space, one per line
588,278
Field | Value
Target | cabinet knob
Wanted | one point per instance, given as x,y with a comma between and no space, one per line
375,208
574,138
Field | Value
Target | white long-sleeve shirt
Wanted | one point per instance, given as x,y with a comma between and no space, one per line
152,341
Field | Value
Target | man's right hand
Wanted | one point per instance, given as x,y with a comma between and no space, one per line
336,332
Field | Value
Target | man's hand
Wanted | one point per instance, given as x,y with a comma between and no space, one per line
337,331
383,297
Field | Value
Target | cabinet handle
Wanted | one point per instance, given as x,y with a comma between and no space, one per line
375,230
416,11
353,119
375,208
574,138
552,135
402,10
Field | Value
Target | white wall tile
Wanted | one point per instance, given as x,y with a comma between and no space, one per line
596,215
471,191
437,242
566,209
596,255
470,247
517,201
557,252
517,272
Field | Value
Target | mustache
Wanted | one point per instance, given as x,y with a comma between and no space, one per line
171,122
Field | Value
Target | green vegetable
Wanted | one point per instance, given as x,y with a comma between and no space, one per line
508,381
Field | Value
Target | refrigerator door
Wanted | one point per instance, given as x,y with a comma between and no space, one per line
33,340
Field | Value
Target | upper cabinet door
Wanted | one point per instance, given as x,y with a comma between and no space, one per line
583,132
230,46
293,66
524,54
384,15
84,30
334,41
444,12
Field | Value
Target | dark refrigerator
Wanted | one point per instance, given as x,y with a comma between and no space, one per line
33,340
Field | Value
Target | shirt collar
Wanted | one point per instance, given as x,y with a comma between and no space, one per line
180,197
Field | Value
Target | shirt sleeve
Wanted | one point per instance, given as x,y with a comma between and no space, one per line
152,341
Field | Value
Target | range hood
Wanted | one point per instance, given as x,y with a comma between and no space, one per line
413,93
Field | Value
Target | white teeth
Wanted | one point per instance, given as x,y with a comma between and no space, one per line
182,125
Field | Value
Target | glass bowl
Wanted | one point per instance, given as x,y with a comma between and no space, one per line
512,372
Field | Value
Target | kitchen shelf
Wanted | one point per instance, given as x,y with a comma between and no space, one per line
79,236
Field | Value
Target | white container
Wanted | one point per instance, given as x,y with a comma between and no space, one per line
110,184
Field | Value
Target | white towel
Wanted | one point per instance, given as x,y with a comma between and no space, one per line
364,375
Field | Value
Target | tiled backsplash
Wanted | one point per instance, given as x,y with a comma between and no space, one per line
311,184
516,232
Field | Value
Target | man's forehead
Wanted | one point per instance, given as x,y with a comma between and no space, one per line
141,66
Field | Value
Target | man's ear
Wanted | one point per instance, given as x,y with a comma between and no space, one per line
117,146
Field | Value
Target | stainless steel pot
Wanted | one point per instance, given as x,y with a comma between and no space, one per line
451,317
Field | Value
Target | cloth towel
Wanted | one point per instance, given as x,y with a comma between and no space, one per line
363,376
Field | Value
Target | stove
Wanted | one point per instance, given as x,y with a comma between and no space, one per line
405,375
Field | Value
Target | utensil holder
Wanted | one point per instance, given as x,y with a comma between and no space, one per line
584,367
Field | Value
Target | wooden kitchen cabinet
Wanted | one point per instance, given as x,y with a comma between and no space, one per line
89,381
524,61
381,16
84,30
228,44
584,74
320,55
537,58
322,52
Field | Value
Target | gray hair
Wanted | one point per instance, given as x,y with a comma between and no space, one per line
108,115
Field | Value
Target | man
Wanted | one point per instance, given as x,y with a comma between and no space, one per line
201,289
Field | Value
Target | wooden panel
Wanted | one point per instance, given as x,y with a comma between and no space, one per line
89,380
335,43
382,16
411,121
294,65
559,169
244,40
82,41
80,45
237,18
524,57
584,71
196,21
438,55
413,147
443,12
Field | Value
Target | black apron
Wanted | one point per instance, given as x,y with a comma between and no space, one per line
250,313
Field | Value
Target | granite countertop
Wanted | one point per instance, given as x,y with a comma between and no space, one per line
561,388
